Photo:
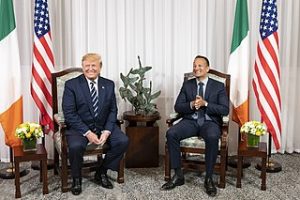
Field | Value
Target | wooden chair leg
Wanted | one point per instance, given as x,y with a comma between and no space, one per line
222,169
263,173
167,164
226,165
120,178
56,161
64,173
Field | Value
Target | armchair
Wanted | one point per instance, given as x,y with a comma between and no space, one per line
61,165
194,147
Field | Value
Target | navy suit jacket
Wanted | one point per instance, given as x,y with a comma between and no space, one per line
78,110
215,95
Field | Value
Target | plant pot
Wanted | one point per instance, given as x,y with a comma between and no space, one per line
29,145
252,140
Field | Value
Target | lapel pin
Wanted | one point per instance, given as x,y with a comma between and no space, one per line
102,87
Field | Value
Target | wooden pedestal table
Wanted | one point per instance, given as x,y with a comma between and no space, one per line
244,151
143,137
24,156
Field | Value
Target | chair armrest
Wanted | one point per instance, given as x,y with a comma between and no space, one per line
224,136
59,120
225,120
173,117
60,138
120,122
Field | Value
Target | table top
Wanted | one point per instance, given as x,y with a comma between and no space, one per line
40,150
260,151
131,116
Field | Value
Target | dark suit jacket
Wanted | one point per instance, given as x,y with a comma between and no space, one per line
78,110
215,95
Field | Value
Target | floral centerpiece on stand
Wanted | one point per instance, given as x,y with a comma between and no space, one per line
253,130
29,133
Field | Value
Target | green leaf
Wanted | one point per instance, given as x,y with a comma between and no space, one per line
134,91
155,95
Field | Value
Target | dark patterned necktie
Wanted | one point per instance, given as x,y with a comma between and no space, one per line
201,113
94,96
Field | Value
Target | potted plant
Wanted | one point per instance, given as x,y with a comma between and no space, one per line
135,91
29,132
253,130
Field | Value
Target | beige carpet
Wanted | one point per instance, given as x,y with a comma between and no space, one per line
145,184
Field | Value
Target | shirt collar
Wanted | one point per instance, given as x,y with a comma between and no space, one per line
203,81
89,81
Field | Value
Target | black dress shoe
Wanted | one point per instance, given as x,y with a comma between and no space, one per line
76,186
175,181
102,180
210,187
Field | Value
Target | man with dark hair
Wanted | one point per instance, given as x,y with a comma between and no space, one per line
202,102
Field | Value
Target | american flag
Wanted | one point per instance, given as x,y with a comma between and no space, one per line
42,63
266,78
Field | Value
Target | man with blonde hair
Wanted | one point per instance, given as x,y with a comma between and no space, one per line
90,111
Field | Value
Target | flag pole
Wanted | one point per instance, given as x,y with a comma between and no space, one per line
272,166
9,172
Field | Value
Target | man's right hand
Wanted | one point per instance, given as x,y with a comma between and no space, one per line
197,102
93,138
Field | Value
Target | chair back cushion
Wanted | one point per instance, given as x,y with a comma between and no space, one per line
58,85
59,79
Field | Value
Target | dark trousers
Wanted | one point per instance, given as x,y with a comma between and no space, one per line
209,131
77,143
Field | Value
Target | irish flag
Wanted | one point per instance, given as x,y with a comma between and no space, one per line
11,110
239,63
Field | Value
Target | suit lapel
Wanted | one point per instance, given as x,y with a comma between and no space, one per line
194,88
208,88
86,91
101,93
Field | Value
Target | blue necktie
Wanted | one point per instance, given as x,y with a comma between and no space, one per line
94,96
201,113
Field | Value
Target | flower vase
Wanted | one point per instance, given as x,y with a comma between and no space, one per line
29,145
252,140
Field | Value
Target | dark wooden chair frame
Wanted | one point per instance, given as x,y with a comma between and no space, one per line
61,166
187,164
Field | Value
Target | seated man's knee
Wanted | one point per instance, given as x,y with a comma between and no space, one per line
212,137
171,134
76,147
123,142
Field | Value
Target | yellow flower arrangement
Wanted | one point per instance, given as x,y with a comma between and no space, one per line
254,128
29,131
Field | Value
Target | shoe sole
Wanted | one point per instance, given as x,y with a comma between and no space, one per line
179,184
171,188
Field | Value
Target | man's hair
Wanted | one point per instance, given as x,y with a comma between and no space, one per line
203,57
91,57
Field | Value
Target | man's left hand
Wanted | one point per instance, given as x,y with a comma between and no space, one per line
103,137
199,102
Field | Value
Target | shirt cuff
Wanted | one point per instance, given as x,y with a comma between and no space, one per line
106,131
191,105
86,133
